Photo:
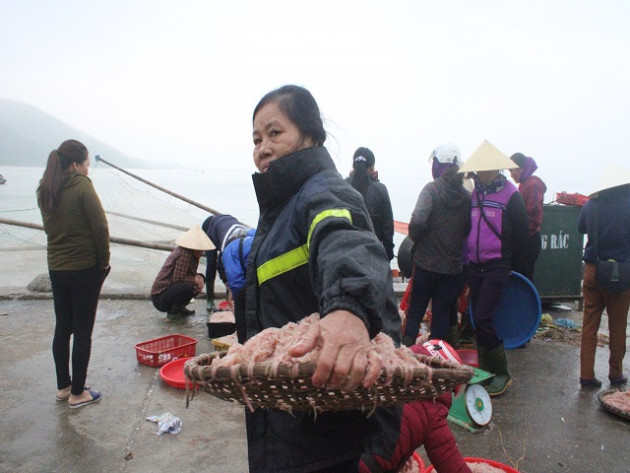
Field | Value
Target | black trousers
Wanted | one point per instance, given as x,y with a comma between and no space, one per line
486,288
75,297
439,288
176,295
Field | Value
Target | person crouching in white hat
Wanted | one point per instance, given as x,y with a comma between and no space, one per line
178,281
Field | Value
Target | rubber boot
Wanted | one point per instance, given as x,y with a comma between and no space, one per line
485,363
452,337
502,379
408,340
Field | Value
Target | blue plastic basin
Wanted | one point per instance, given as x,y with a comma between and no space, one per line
518,316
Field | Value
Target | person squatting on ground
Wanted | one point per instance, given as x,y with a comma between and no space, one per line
315,251
224,231
178,281
424,423
78,263
498,233
439,225
605,218
364,179
533,189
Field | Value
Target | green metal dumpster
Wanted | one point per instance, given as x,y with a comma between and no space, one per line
558,272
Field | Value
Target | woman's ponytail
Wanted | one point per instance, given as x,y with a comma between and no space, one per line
59,160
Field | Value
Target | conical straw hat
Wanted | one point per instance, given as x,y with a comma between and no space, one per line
195,239
613,176
487,158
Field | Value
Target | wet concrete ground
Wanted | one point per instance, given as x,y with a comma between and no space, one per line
543,424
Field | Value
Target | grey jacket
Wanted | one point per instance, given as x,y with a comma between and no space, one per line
440,224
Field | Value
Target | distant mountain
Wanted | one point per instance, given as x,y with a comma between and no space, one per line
28,135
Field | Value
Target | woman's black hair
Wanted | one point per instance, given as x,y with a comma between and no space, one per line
59,160
362,160
298,104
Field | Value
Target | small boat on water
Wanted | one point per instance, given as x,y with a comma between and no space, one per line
2,179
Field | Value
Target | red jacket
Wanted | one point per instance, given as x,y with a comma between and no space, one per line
423,423
533,189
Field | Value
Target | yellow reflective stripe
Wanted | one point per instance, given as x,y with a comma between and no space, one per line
299,256
339,213
283,263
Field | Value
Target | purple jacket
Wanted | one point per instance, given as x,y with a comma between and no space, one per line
499,225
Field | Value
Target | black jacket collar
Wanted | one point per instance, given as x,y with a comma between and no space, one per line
288,174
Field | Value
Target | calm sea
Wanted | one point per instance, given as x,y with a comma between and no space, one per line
226,191
130,201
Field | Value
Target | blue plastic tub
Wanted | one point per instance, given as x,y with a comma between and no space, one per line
519,312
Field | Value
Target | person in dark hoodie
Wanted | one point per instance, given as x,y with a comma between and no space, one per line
439,225
222,230
233,242
364,179
533,189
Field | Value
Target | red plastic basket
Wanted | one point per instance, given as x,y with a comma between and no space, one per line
159,351
571,199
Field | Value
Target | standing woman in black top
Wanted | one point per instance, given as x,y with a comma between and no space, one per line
364,179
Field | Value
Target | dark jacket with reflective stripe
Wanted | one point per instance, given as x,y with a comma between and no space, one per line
314,251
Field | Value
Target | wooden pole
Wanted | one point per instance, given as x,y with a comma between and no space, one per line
185,199
144,220
122,241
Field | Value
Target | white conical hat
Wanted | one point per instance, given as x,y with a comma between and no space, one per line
487,158
613,176
195,239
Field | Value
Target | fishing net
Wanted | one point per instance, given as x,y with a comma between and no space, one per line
136,212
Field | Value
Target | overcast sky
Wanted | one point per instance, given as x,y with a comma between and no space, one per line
177,81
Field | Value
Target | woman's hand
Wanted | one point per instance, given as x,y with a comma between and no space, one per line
348,358
199,283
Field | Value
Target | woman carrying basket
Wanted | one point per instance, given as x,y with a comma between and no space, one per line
314,251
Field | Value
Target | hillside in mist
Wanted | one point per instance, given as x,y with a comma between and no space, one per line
27,135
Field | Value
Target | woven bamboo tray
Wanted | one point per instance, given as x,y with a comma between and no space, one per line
288,387
612,409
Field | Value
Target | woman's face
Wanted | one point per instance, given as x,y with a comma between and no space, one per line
516,174
275,136
83,167
486,177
